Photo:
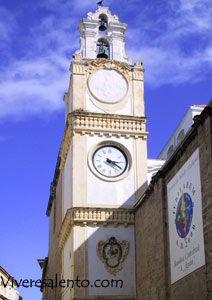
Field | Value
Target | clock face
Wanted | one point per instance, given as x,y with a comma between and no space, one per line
110,161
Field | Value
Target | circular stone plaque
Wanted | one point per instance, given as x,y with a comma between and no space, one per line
108,86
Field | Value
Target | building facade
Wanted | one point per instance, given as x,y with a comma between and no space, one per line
8,289
181,130
174,222
109,231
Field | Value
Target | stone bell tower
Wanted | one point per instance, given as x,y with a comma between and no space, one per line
102,166
102,28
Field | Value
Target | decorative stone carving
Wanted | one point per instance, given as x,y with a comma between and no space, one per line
94,65
83,216
112,254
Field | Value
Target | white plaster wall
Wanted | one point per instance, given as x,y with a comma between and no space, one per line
93,107
153,166
118,50
70,103
185,124
102,192
67,267
127,108
90,106
67,182
96,269
8,292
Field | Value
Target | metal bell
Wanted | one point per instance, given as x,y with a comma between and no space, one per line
102,53
102,26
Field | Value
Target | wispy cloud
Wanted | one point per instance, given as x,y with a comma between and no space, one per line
36,81
177,47
34,86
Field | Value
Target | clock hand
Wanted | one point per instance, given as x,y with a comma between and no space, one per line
116,165
109,160
113,163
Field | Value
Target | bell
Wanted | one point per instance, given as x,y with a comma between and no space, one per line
102,26
102,53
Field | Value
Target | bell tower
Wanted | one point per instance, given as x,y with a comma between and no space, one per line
102,30
102,165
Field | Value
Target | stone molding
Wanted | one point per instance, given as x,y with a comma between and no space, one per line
77,68
102,125
53,186
107,124
90,66
83,216
97,64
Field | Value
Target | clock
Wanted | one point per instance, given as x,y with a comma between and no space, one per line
110,161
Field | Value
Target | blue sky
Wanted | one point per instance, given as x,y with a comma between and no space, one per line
37,39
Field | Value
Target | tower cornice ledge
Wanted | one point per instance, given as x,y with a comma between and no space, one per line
79,65
107,125
83,216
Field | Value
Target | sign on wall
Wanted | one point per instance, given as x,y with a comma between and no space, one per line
185,219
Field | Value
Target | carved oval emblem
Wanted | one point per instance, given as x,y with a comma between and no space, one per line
112,253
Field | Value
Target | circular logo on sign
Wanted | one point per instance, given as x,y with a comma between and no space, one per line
184,215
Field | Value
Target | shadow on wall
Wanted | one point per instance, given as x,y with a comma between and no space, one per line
99,252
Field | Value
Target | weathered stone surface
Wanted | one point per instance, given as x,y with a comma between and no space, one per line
151,223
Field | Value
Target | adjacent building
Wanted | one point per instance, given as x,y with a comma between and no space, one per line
7,286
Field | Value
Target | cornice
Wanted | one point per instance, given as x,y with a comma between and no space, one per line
53,186
43,264
95,216
105,124
81,122
79,67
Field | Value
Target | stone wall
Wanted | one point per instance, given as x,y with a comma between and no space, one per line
54,265
152,228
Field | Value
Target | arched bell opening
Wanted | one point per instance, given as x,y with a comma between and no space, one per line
103,49
102,23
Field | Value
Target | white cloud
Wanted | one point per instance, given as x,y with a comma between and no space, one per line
34,86
36,82
181,47
173,40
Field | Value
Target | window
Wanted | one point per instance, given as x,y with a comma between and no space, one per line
170,151
180,136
